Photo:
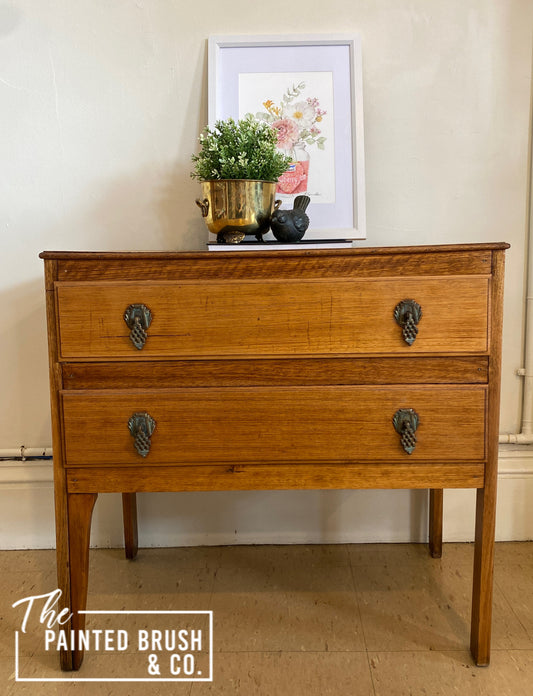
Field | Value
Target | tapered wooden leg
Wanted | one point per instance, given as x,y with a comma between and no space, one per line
486,497
435,522
129,513
62,554
80,510
483,574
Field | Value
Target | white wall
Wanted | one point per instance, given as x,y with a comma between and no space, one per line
101,103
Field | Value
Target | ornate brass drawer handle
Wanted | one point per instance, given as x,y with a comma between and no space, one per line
405,421
138,318
141,426
407,314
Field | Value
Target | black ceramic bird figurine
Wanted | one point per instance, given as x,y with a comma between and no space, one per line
290,225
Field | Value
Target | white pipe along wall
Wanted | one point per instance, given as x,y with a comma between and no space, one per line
23,453
525,436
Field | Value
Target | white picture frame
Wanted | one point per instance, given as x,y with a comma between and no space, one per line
242,68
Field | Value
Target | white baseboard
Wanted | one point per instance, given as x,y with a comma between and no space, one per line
17,473
266,517
515,461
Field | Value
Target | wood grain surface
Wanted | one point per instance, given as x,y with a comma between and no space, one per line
237,477
272,318
283,424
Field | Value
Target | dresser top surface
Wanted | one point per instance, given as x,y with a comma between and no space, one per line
297,251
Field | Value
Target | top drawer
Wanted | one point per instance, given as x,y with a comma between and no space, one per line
272,318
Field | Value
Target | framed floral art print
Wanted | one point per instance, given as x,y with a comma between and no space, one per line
310,89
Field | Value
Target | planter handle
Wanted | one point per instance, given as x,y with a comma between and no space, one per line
204,206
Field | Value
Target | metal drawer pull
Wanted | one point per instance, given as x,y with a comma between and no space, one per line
141,426
405,421
138,318
408,313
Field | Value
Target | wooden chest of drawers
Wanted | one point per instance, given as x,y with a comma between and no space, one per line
305,369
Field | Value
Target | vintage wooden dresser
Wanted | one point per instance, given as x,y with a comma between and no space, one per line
300,369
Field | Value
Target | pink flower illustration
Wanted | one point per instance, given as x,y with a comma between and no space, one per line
295,118
288,133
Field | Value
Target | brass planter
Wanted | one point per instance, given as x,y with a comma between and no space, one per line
233,208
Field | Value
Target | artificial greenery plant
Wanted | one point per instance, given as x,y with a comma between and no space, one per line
243,149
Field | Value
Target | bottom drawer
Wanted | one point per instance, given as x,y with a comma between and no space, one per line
273,424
